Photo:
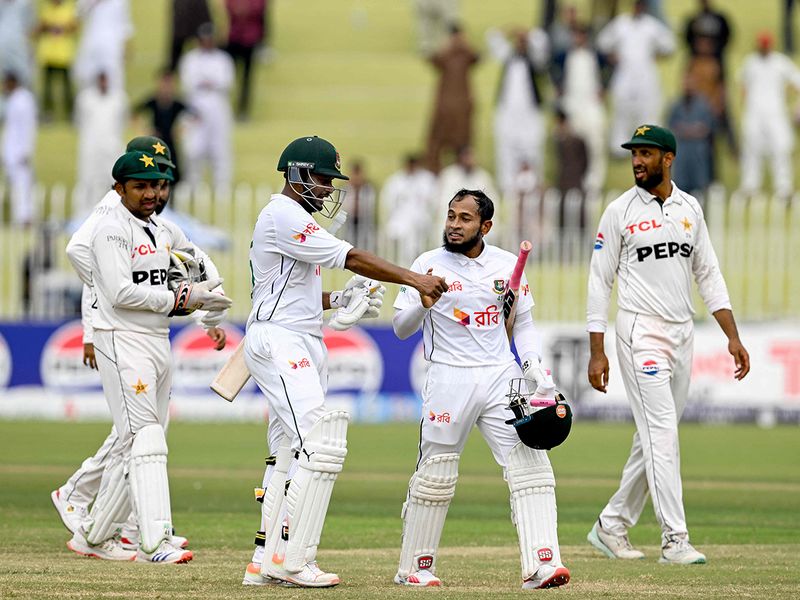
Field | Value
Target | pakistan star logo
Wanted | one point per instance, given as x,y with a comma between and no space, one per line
642,130
139,387
159,148
687,225
147,160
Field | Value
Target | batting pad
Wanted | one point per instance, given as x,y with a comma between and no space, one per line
272,505
150,487
430,491
533,507
319,462
112,505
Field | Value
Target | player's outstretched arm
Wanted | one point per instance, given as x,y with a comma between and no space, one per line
598,362
727,323
430,287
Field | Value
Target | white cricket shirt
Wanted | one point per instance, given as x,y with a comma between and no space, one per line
288,250
129,272
465,327
654,250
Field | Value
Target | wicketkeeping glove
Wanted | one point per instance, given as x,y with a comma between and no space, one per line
193,296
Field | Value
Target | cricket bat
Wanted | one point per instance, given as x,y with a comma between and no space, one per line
512,291
232,376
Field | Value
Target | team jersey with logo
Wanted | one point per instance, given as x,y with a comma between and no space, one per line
129,262
655,250
465,327
287,253
79,253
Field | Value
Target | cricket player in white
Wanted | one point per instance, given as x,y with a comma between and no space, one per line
17,147
73,498
767,130
130,256
654,238
465,340
287,358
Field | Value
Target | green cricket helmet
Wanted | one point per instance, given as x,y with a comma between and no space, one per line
308,156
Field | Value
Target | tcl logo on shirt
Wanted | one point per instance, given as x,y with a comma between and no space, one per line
664,250
144,250
643,226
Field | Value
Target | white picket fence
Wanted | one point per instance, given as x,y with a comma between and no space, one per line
757,241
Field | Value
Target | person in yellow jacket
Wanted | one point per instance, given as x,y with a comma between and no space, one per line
57,32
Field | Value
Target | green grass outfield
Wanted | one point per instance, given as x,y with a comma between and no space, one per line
741,489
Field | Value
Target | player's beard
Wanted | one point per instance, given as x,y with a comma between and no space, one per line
651,180
464,246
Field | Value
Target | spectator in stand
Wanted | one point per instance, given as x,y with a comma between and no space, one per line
360,202
57,33
101,115
572,165
634,41
519,126
767,131
105,30
451,121
582,101
410,192
692,121
207,75
245,33
465,173
164,110
17,22
788,26
187,17
18,144
561,37
434,18
708,34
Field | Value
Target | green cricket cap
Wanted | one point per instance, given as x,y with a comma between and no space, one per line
136,165
155,146
653,135
312,153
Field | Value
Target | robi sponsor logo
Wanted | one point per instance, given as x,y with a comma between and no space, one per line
355,363
62,360
196,362
650,367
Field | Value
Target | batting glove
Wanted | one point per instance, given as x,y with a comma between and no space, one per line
347,316
540,383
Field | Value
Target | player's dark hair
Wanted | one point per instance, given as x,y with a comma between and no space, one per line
485,204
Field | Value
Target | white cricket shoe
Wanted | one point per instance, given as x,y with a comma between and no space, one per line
678,551
165,553
253,576
421,578
309,576
71,515
613,546
111,549
130,539
548,576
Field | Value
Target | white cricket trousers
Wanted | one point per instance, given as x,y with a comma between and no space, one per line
655,358
136,371
454,399
291,369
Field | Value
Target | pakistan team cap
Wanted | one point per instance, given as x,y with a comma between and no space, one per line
136,165
653,135
313,153
152,145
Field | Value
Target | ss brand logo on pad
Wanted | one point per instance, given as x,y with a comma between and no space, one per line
425,562
545,554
